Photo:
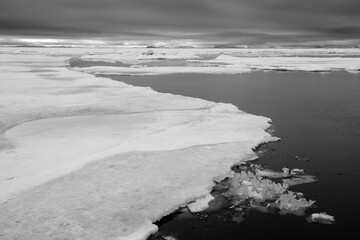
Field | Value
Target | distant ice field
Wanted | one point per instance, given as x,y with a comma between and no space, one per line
159,61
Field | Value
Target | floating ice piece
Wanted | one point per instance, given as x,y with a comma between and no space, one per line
285,171
292,202
200,204
169,238
273,174
269,173
323,218
246,185
291,181
296,171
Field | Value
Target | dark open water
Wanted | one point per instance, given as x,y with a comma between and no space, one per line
316,115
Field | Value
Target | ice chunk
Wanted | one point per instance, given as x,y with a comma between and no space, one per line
200,204
285,171
291,202
296,171
169,238
299,179
246,185
270,173
273,174
323,218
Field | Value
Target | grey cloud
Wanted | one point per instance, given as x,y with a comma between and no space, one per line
233,20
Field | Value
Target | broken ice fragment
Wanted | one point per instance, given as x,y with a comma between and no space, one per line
247,185
321,218
266,194
269,173
169,238
299,180
296,171
285,171
200,204
294,203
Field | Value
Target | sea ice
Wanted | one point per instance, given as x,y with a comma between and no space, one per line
227,61
84,157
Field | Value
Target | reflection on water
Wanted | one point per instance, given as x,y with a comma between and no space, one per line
78,62
318,118
156,62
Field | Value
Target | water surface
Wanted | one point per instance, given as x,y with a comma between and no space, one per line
318,118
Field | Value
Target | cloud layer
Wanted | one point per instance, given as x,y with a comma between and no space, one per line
237,21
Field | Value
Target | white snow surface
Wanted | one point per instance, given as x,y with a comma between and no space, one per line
83,157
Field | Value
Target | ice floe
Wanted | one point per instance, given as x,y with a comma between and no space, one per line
88,157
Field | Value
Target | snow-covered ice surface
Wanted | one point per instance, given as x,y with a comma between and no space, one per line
83,157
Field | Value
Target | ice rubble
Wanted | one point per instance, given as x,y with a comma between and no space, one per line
248,185
249,189
156,152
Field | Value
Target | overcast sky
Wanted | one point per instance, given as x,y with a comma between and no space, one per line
229,21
